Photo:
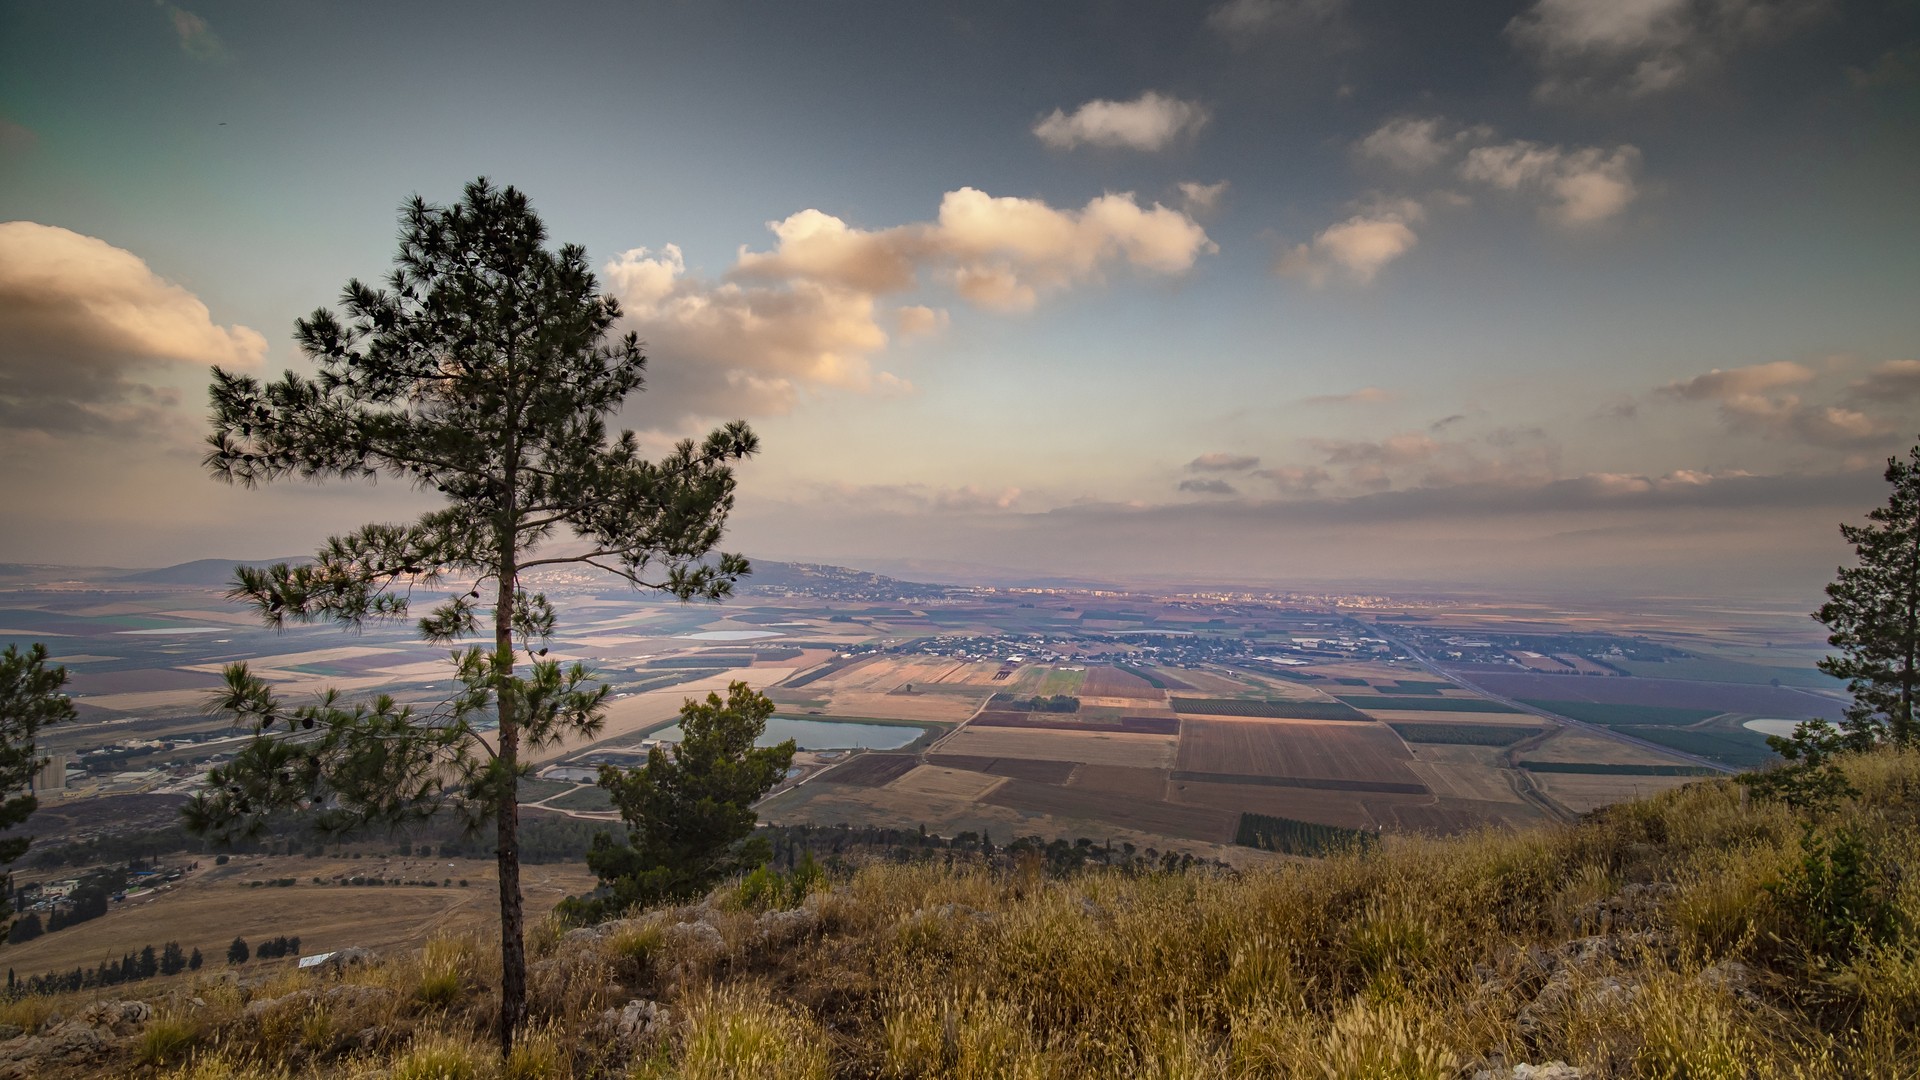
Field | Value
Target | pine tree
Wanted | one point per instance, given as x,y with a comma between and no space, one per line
689,811
482,371
30,699
1873,609
193,961
237,952
172,960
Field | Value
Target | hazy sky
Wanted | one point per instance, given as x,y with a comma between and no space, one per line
1614,294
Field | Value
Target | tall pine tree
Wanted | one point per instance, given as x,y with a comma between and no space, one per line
1873,609
481,371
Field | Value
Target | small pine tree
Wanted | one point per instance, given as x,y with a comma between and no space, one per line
238,952
193,962
1873,610
172,960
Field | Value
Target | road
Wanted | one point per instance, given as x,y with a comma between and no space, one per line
1567,721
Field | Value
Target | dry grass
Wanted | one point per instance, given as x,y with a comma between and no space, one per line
1676,937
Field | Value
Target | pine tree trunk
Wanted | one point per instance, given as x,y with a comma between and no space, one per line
513,954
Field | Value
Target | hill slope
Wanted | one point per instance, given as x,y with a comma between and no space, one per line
1698,934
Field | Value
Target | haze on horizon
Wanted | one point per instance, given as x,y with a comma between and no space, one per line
1550,293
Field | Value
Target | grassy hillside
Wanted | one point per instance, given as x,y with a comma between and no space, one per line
1697,934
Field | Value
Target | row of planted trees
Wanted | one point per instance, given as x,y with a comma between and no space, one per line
483,368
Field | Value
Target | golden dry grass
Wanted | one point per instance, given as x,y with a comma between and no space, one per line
1687,936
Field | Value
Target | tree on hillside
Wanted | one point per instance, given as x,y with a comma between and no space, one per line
688,811
1873,609
237,953
30,699
481,371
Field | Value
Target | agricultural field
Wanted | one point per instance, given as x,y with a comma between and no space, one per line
1095,748
214,904
1345,753
1583,792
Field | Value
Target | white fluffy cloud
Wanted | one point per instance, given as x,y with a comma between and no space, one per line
1718,385
1642,47
1584,186
1149,122
1416,143
810,312
1356,249
82,323
1751,401
197,39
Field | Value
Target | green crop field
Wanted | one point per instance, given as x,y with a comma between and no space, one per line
1593,712
1425,704
1465,734
1278,710
1746,748
1291,837
1728,671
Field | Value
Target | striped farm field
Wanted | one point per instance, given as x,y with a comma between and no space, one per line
1367,753
1271,710
1426,704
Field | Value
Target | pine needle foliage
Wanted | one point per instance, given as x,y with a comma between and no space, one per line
1873,609
483,370
30,699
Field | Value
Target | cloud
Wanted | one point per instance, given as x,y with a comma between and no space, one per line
1582,187
1415,143
1222,462
1393,450
83,322
1718,385
810,313
1245,18
197,39
1750,403
1366,395
917,320
1208,487
1446,422
1895,380
1641,47
1356,249
1296,479
1200,198
1150,122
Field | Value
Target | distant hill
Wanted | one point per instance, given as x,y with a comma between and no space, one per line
207,572
819,579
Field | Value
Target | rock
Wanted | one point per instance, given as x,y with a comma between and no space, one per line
1552,1070
1637,906
587,934
118,1017
1568,989
1733,977
697,939
11,1031
74,1043
342,959
638,1022
785,927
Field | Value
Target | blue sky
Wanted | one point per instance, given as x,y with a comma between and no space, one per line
1262,290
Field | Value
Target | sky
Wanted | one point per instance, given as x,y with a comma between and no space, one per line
1595,296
